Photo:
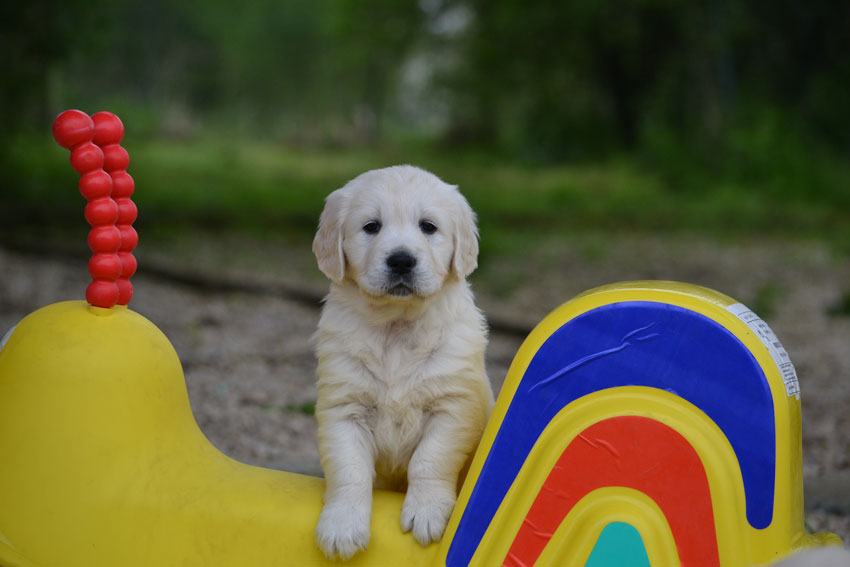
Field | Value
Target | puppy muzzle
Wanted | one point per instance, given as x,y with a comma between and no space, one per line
401,286
400,273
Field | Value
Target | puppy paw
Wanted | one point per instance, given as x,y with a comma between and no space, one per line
342,531
426,511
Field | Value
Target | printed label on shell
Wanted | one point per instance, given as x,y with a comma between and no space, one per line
771,341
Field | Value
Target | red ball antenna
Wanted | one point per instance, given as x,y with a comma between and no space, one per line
108,133
102,175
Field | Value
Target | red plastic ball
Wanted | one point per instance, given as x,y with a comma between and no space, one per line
105,266
101,293
125,291
72,127
86,157
115,158
122,184
101,212
128,264
127,211
108,128
104,239
95,184
129,237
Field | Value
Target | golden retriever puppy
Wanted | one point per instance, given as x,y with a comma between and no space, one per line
403,393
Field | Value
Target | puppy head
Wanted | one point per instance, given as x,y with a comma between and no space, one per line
397,232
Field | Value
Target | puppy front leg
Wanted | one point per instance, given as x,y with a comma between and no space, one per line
347,450
432,476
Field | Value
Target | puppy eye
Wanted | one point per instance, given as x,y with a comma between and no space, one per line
427,227
372,227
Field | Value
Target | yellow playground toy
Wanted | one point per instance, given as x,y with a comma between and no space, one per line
642,423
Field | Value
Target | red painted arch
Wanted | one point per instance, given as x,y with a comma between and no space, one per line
632,452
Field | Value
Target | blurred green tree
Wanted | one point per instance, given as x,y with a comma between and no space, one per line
35,39
548,80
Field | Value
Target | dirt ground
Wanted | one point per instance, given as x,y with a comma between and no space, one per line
240,312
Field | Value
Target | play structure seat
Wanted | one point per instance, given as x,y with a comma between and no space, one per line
104,464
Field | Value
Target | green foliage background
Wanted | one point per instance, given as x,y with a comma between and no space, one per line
723,116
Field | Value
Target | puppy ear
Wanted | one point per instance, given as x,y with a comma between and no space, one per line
327,245
465,258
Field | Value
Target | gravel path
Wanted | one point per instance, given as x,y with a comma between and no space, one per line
250,370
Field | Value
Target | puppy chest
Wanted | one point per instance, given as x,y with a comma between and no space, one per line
398,420
409,365
397,430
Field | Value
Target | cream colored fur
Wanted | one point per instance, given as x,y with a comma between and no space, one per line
403,393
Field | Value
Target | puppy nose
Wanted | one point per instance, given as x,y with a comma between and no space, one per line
401,262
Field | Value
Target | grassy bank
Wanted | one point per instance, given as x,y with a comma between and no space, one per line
269,187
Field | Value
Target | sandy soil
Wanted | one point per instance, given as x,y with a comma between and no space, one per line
250,370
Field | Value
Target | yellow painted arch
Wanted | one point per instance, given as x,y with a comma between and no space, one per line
715,452
574,540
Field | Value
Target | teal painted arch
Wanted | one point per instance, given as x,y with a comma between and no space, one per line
619,545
